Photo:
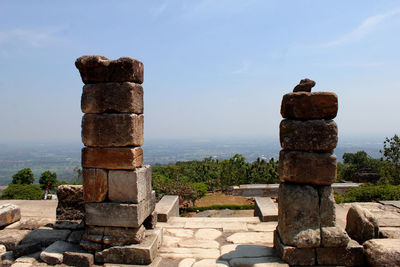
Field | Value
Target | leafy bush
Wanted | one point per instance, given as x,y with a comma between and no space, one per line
370,192
24,176
22,191
217,207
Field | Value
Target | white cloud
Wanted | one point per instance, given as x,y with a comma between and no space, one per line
31,37
364,28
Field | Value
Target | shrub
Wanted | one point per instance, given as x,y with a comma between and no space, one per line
22,191
370,192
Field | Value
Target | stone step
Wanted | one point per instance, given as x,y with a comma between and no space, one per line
167,207
265,209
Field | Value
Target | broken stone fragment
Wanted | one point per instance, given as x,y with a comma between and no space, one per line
80,259
95,184
125,158
311,135
9,213
309,106
305,85
361,225
112,98
307,167
130,186
112,130
382,252
54,253
99,69
332,237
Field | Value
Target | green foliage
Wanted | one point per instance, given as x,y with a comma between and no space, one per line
370,192
192,179
356,162
217,207
22,191
391,157
48,178
24,176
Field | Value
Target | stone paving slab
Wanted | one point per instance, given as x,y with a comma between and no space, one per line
394,203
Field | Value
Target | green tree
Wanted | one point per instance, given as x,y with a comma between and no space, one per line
22,191
24,176
391,156
48,178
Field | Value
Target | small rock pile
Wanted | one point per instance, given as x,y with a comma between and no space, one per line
116,185
307,233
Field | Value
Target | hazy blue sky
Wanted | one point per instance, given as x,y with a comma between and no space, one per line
212,68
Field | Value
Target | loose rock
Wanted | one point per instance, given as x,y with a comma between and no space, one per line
9,213
305,85
361,225
382,252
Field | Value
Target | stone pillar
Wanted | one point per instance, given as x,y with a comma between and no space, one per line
307,233
116,185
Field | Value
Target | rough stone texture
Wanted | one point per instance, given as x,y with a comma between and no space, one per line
351,255
265,209
251,238
95,185
78,259
307,167
167,207
389,232
361,225
192,243
183,253
130,186
112,97
293,255
151,221
70,202
207,234
382,252
6,259
118,214
9,213
327,208
309,106
70,225
112,158
46,236
310,135
112,130
332,237
10,238
305,85
121,236
299,220
99,69
75,237
90,246
27,248
143,253
53,254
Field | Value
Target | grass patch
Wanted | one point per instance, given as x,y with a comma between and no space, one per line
216,207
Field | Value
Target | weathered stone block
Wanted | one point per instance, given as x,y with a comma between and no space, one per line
78,259
312,135
10,238
124,158
112,236
350,255
382,252
307,167
91,246
265,209
112,130
46,237
70,202
99,69
333,237
309,106
130,186
26,248
167,207
143,253
9,213
118,214
299,220
54,253
361,225
327,208
112,97
293,255
95,185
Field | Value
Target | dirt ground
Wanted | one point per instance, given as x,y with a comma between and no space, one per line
221,199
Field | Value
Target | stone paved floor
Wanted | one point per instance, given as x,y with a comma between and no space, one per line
240,241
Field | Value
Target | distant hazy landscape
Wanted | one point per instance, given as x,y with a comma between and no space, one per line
62,158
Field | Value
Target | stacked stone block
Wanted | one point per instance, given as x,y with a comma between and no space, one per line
116,185
307,233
